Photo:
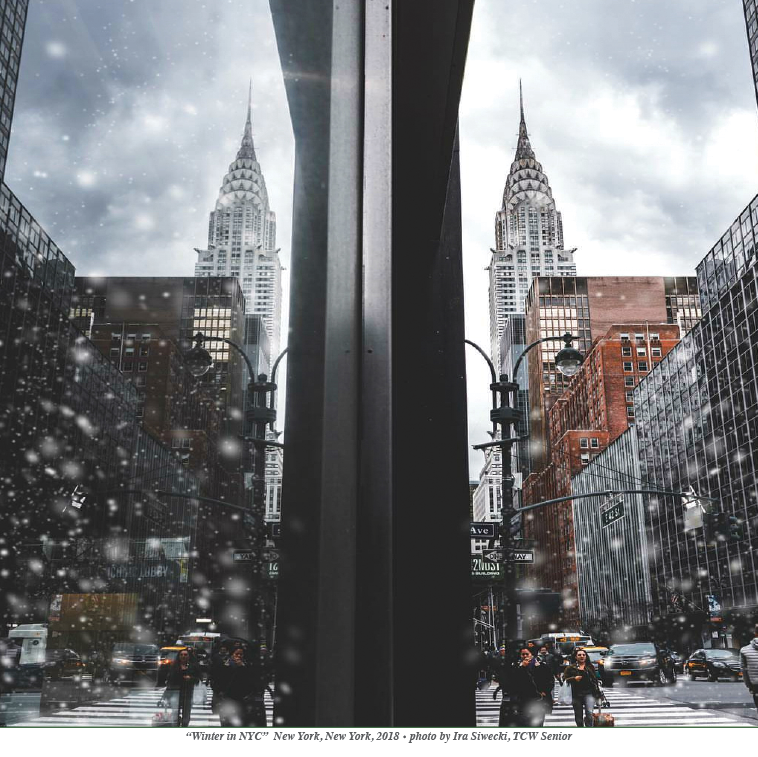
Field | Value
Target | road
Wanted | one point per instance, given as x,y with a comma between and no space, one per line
688,703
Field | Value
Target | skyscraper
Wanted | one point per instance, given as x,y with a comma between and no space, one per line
528,238
751,23
242,238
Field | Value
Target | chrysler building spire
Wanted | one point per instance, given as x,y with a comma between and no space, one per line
247,148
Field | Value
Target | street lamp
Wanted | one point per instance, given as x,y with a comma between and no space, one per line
567,361
258,415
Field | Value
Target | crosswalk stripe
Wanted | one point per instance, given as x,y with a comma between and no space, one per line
628,709
135,710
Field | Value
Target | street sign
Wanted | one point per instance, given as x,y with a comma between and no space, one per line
247,555
514,555
481,568
522,556
612,514
483,530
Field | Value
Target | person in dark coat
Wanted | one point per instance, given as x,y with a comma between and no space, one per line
242,704
217,675
532,686
180,684
585,692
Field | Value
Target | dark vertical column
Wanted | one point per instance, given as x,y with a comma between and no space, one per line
320,45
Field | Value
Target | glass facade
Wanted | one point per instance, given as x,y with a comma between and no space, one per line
612,559
751,23
12,23
697,417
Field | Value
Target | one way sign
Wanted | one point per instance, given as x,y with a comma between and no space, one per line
497,555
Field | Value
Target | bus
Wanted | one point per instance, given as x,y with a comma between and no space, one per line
567,641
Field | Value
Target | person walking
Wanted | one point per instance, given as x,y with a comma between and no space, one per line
243,696
749,666
502,668
585,691
532,686
180,685
217,675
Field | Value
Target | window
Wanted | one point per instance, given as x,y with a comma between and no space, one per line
626,352
641,352
630,412
594,443
176,443
186,443
115,352
144,351
129,351
127,366
656,351
624,336
583,443
639,337
642,367
143,366
628,367
145,337
585,458
630,396
655,337
629,381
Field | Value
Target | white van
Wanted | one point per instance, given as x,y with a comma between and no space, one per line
32,637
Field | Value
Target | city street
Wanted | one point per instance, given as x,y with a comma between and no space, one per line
689,703
135,708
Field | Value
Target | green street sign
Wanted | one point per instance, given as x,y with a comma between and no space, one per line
612,514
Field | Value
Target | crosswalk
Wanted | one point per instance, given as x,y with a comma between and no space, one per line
136,709
629,708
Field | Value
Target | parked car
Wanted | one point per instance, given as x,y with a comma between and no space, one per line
714,664
641,661
131,662
167,656
58,665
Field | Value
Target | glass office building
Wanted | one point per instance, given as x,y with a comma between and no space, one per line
697,418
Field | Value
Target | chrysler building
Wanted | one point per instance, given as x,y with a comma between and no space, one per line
242,239
528,239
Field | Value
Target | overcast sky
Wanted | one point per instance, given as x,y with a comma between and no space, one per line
642,113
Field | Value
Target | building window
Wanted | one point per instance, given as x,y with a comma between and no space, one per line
656,351
585,458
629,396
630,412
127,366
176,443
142,366
145,337
583,443
628,367
144,351
642,367
639,337
624,336
626,352
655,337
594,443
115,353
629,381
641,352
186,443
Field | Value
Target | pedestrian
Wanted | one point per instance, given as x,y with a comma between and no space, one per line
217,675
180,685
749,666
243,697
502,670
532,686
585,691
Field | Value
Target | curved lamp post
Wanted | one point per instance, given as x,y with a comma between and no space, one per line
258,415
568,361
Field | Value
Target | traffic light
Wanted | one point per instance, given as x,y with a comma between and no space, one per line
715,526
735,528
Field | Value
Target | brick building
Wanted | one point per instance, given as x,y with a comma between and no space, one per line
595,409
